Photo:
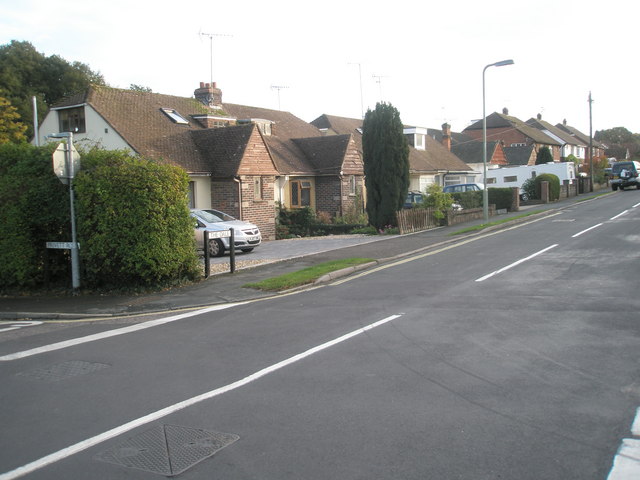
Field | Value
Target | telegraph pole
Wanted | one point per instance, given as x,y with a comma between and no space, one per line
590,141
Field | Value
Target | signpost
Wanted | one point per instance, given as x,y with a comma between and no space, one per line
209,234
66,162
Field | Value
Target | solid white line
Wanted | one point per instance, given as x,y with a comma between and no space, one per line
112,333
636,205
635,427
585,231
482,279
93,441
619,215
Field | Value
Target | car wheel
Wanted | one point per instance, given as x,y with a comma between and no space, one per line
216,248
524,197
247,250
614,187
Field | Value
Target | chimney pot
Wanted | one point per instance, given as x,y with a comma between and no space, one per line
201,84
505,111
539,116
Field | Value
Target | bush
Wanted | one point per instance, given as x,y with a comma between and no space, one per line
470,199
554,185
439,201
502,198
133,222
296,223
529,187
35,210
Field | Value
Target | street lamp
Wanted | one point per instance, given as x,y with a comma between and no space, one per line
485,192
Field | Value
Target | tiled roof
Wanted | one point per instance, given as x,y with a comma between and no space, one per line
325,154
561,134
435,158
518,155
471,151
499,120
579,135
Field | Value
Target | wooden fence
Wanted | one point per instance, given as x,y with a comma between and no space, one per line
416,219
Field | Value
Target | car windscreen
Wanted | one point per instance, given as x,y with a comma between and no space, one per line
618,167
208,216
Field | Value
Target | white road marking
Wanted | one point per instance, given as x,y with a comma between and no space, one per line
626,463
619,215
19,324
112,333
93,441
585,231
636,205
514,264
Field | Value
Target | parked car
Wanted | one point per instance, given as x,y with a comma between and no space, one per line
625,174
246,235
413,198
463,187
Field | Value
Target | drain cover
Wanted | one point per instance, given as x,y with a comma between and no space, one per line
167,449
64,370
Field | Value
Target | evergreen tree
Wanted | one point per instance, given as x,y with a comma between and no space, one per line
386,164
544,156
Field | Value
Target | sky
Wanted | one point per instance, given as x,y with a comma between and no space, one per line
341,57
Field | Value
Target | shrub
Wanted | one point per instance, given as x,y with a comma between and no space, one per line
133,221
35,210
298,222
500,197
554,185
438,200
529,187
471,199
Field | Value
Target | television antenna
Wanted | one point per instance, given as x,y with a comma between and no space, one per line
211,35
379,82
278,88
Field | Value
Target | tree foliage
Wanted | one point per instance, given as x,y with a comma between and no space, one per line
619,140
386,164
25,73
11,128
544,155
133,221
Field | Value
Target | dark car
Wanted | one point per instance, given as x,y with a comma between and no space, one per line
412,199
625,174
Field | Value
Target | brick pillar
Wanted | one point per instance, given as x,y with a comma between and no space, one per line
544,192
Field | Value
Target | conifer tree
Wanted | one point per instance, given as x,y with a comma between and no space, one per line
386,164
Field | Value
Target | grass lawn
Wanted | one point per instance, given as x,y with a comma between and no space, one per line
305,276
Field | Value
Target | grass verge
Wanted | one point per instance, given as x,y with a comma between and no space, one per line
305,276
491,224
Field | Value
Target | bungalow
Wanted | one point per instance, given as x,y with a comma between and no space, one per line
243,160
429,161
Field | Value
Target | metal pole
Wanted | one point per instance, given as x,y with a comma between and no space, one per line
75,260
232,251
207,256
485,191
590,144
36,135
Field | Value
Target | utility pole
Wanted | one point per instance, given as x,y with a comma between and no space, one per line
590,142
211,35
278,88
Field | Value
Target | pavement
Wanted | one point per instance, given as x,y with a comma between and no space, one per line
269,260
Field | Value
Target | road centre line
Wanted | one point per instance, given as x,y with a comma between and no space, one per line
112,333
522,260
619,215
93,441
585,231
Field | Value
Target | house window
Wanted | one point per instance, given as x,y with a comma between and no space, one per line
191,194
419,141
72,120
300,194
491,180
518,144
257,188
175,116
352,185
510,179
265,128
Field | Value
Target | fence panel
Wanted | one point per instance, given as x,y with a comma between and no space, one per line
416,219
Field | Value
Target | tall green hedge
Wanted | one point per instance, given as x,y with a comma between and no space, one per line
554,185
133,221
35,210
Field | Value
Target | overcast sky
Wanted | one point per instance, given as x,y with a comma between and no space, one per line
424,57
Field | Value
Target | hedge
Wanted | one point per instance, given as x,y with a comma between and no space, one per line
554,185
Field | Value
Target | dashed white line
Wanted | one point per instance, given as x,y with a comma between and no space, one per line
585,231
619,215
503,269
93,441
111,333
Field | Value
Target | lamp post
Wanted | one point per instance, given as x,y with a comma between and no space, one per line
485,192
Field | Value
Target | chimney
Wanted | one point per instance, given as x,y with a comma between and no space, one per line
539,116
505,111
209,95
446,136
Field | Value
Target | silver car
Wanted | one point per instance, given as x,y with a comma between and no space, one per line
246,235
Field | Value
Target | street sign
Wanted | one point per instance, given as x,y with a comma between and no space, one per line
219,233
60,162
63,245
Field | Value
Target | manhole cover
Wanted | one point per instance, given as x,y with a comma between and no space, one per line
64,370
167,449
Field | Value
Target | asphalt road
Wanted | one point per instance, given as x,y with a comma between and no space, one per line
509,355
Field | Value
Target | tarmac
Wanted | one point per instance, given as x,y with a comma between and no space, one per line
266,261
